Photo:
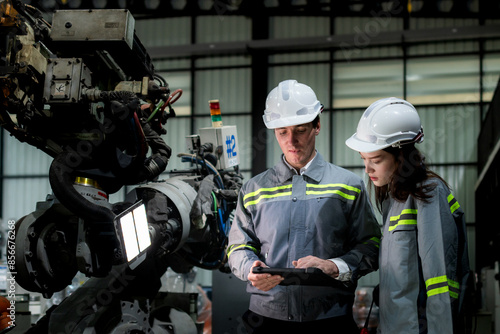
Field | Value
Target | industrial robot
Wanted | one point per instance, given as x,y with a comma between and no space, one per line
82,88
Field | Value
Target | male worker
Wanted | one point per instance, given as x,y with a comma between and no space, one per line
304,212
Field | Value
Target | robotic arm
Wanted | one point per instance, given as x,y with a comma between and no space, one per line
83,90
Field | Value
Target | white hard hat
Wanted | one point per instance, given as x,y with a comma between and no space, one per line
387,122
291,103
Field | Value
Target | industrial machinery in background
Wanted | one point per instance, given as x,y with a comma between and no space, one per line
83,90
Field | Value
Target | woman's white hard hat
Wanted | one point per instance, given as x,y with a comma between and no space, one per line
387,122
290,103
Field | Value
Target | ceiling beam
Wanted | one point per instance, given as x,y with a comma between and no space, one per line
339,42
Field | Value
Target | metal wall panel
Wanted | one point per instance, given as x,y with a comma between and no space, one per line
358,84
164,32
492,45
491,71
443,48
443,80
299,57
231,87
169,64
435,23
293,27
450,133
365,28
223,28
23,159
356,51
345,123
462,179
177,131
223,61
21,195
324,139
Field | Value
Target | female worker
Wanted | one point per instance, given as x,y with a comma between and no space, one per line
424,264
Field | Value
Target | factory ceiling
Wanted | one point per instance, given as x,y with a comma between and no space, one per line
142,9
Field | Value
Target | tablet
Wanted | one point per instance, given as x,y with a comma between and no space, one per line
299,276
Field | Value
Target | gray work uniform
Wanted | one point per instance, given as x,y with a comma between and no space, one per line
282,216
423,264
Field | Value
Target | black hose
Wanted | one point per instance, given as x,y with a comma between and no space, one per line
61,178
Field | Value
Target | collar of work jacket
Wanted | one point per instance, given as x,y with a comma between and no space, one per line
314,171
303,169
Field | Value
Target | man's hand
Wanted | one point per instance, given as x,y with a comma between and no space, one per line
328,267
264,282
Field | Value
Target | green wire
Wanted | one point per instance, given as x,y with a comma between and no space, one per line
215,203
156,110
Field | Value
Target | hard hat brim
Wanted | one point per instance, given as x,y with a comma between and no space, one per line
290,121
363,146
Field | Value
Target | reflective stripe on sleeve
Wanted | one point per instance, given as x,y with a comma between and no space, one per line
373,241
454,288
441,284
232,248
452,201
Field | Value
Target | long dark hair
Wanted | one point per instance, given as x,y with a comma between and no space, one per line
408,178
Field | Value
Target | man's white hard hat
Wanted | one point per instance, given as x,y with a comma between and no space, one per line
290,103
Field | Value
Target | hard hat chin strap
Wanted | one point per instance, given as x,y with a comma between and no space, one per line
419,138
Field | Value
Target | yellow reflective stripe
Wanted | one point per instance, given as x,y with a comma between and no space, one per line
439,281
247,204
255,193
270,193
325,190
404,212
396,220
373,240
311,189
232,248
338,192
442,285
310,185
437,291
454,288
436,280
454,205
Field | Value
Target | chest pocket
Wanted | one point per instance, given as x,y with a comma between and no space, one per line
403,232
406,220
403,226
